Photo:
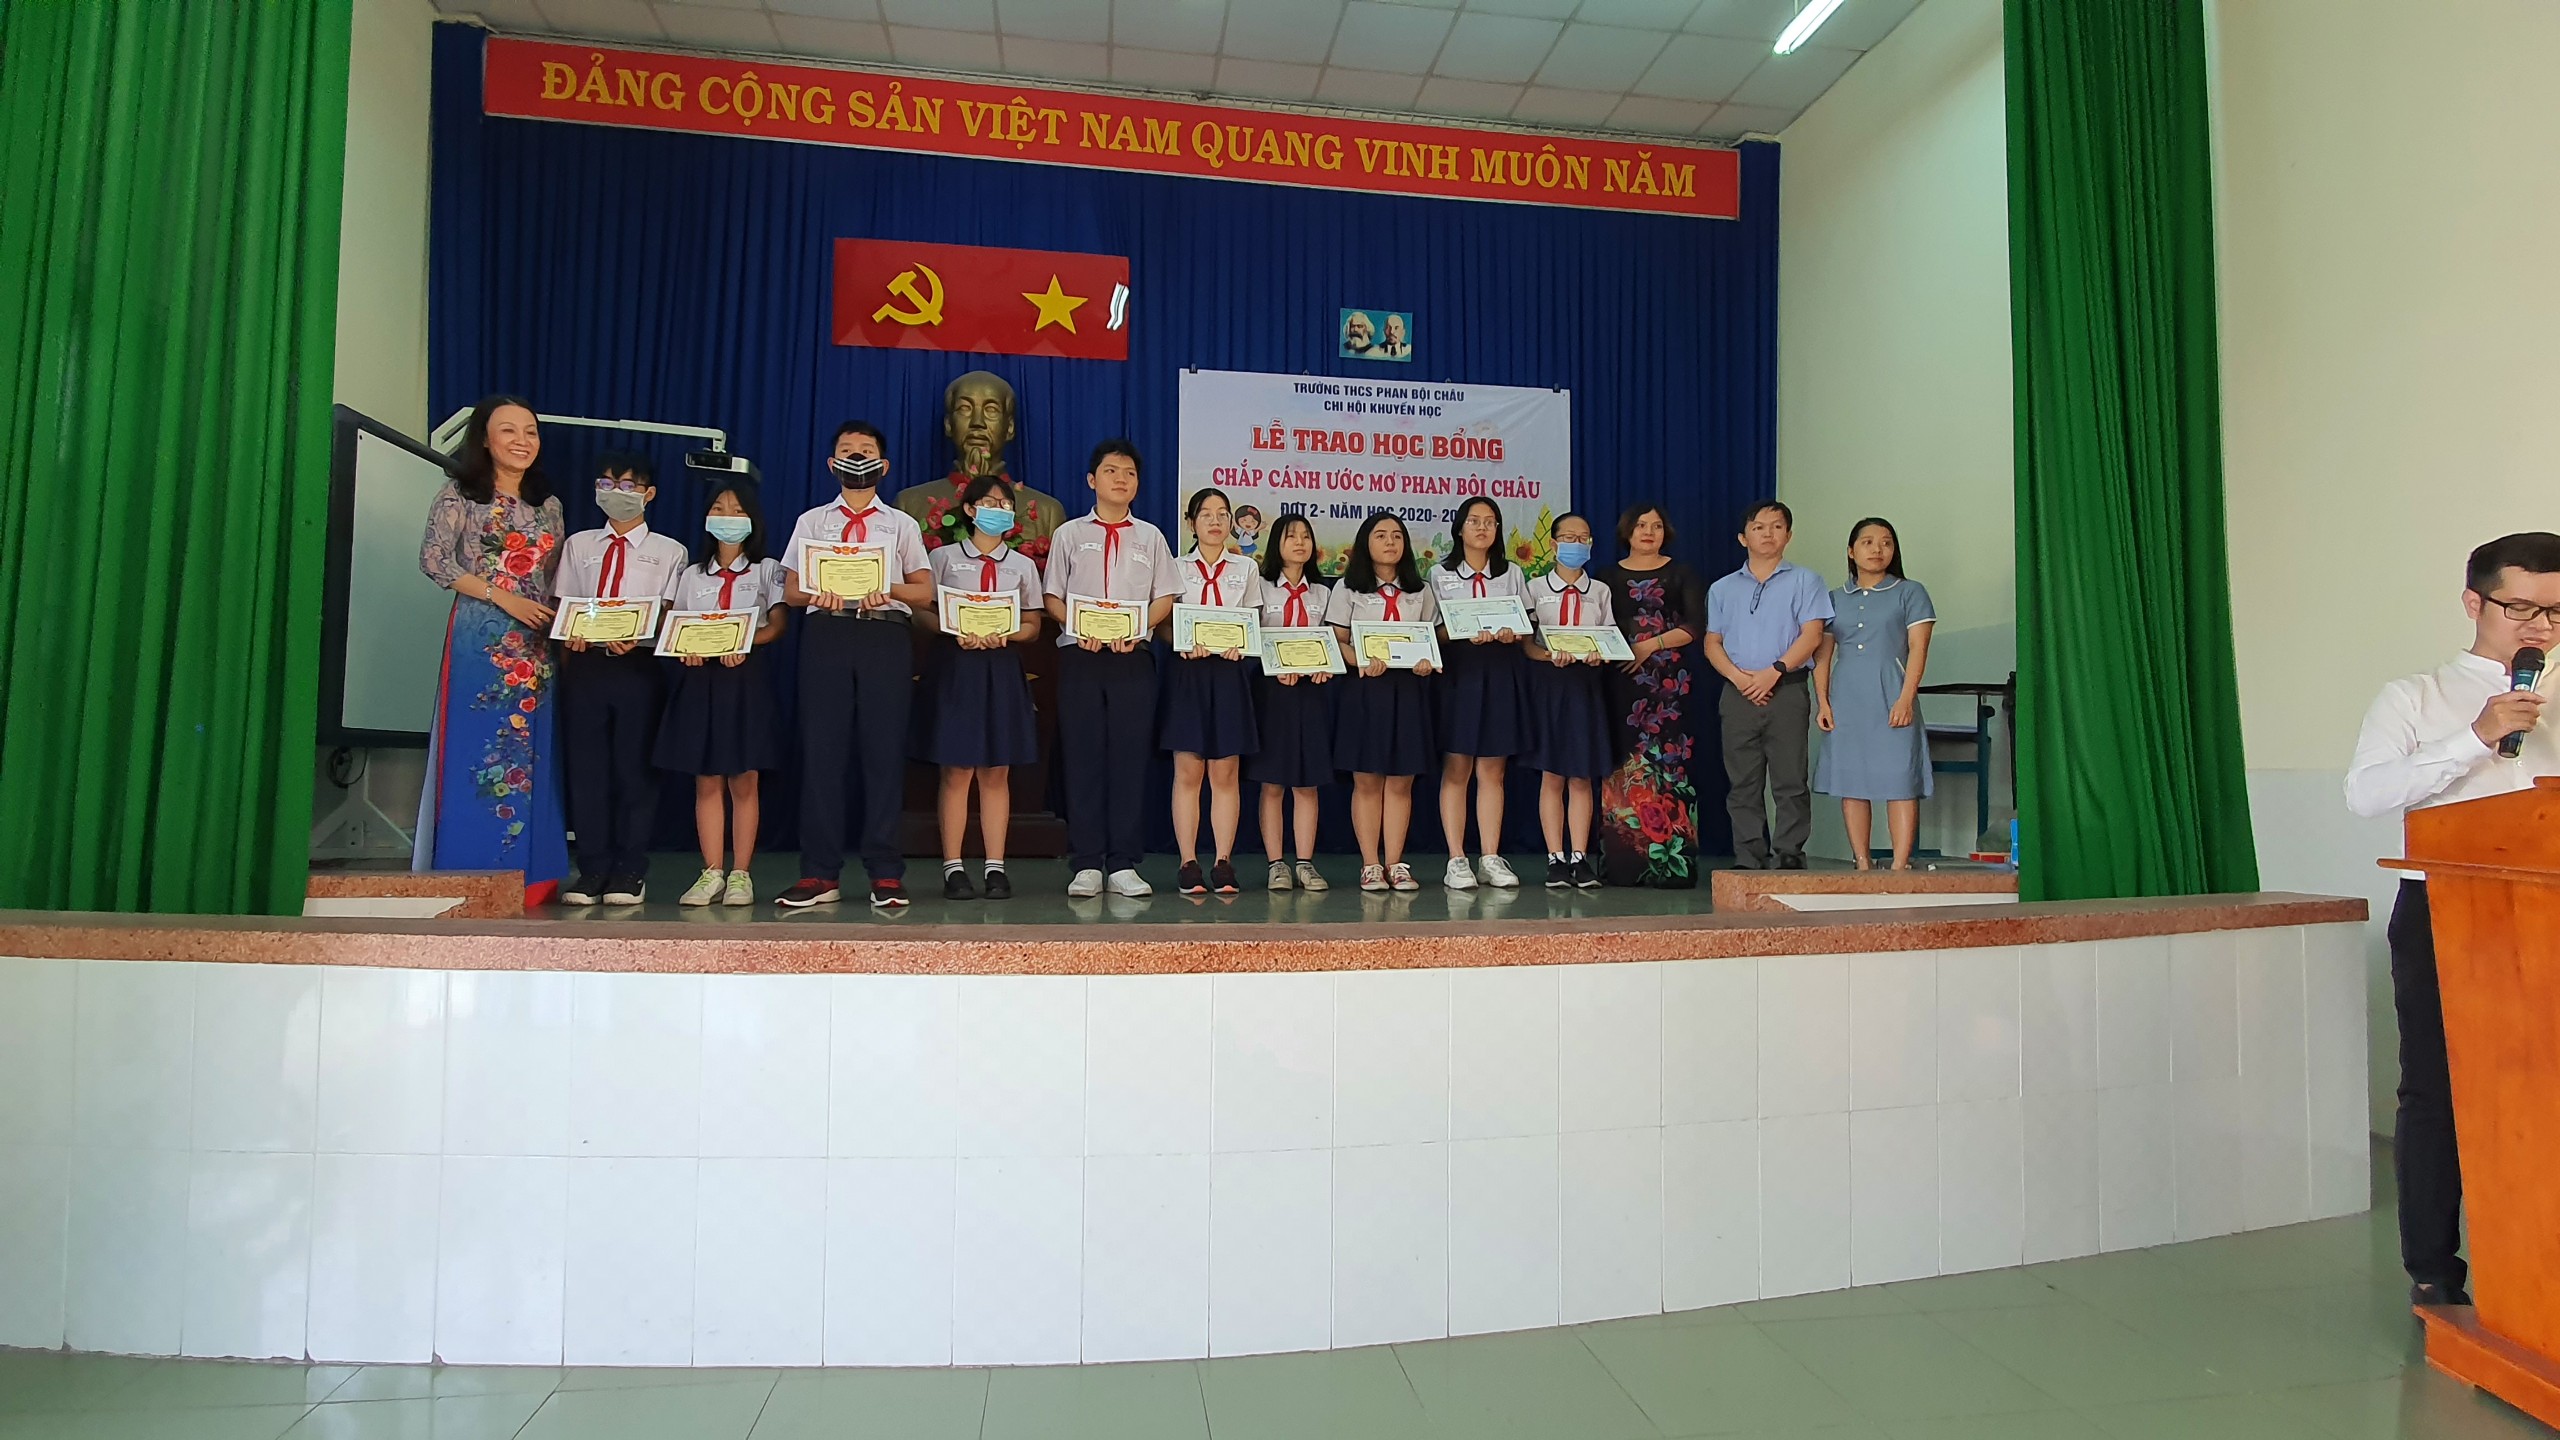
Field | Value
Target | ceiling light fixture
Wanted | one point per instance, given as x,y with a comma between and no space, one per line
1808,20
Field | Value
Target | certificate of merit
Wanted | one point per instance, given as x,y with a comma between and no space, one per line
835,568
1106,621
708,633
605,621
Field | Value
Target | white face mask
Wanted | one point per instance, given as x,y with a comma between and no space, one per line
620,505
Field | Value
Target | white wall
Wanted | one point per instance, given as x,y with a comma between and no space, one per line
1893,345
2391,389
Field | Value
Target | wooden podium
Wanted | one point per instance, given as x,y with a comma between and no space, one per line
2493,887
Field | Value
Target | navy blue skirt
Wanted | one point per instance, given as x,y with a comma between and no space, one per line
719,719
1573,722
1484,700
977,710
1208,709
1297,732
1382,725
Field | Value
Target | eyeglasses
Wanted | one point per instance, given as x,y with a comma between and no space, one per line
2523,612
607,482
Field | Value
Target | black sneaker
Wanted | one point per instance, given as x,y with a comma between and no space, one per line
1790,862
1584,875
809,890
587,889
956,886
999,885
890,893
2429,1294
1222,877
1559,874
626,890
1189,881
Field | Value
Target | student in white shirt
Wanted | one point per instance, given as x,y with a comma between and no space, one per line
1572,753
720,723
1208,703
1293,714
1485,717
611,696
1107,691
857,678
979,720
2433,739
1382,733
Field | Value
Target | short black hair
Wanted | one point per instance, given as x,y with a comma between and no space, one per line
1496,562
1752,511
860,427
1116,445
1628,517
1361,573
627,462
2534,551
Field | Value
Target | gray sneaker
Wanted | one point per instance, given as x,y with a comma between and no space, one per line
1086,885
1311,878
1280,878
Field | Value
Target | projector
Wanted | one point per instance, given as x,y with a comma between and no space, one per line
707,464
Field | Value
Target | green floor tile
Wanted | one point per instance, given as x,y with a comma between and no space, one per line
723,1411
876,1405
1829,1305
1981,1290
1104,1402
2291,1255
49,1381
417,1382
2373,1312
2126,1276
2082,1357
2420,1404
1341,1395
447,1417
1535,1385
215,1384
227,1422
1905,1367
1716,1379
2215,1417
2252,1346
2035,1425
638,1377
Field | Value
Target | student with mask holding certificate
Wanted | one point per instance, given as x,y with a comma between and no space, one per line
979,721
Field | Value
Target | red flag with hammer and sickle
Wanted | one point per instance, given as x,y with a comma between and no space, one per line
978,297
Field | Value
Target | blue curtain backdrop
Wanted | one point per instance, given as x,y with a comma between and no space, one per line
686,279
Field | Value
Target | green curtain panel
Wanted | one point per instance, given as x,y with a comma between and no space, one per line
2130,774
168,300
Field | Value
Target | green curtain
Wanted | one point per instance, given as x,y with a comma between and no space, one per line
168,298
2130,775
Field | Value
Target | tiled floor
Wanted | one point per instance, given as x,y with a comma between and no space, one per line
2294,1334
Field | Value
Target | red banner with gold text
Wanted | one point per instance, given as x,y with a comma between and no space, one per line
910,296
706,95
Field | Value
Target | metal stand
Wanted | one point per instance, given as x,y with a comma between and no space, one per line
357,829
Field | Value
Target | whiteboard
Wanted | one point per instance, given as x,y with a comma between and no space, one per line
395,616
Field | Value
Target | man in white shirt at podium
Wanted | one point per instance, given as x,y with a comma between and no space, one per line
2461,731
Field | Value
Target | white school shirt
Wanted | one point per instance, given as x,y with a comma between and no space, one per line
1590,597
887,526
2417,748
1276,595
758,587
1346,606
1468,583
1141,564
1232,581
961,567
647,568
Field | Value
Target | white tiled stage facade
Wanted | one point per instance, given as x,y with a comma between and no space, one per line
392,1166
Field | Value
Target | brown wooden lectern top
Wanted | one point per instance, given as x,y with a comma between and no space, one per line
2493,887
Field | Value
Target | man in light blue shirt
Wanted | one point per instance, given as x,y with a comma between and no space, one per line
1764,622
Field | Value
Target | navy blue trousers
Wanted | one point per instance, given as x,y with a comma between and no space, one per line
609,711
857,681
1106,742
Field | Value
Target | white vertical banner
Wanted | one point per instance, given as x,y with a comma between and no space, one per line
1335,449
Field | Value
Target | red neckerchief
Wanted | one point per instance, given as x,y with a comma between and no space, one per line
1110,549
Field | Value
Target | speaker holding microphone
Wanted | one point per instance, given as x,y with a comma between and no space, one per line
2524,673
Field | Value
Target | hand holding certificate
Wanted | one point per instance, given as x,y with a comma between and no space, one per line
1397,644
1095,622
980,619
605,621
1292,651
694,636
851,573
1585,644
1487,619
1231,631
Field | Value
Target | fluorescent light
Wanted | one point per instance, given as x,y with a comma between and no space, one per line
1808,20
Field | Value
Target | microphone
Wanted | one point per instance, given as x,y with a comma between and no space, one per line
2526,672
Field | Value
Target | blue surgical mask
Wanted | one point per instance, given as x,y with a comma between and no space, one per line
998,523
1573,554
730,529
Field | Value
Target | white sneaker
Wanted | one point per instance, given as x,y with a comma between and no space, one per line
1373,877
1400,877
741,889
1131,884
1461,876
1086,885
705,889
1497,873
1310,878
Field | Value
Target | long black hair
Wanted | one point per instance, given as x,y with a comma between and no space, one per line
1497,563
1272,564
1892,567
475,470
749,501
1361,573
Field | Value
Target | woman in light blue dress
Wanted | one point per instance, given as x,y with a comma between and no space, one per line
1866,686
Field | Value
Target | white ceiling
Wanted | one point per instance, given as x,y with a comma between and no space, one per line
1694,68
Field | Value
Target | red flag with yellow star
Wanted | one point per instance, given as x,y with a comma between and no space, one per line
978,297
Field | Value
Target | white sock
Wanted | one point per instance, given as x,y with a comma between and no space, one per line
995,867
953,867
